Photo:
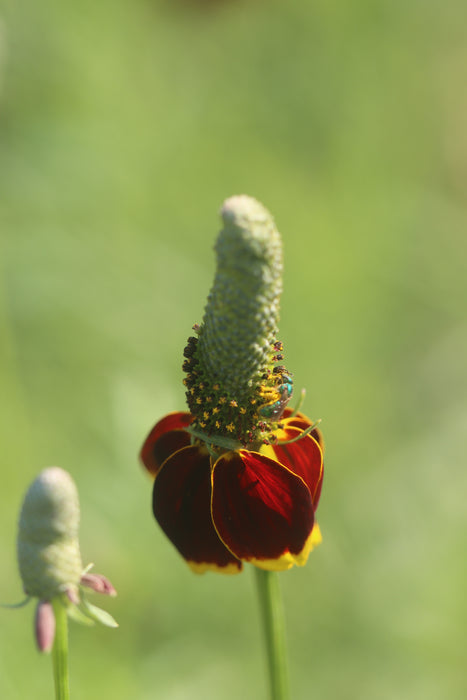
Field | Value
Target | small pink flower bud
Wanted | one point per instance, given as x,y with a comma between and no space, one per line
98,583
44,624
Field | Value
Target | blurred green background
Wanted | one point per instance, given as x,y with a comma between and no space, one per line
123,126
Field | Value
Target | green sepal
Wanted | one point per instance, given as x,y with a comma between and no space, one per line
12,606
75,613
97,614
216,440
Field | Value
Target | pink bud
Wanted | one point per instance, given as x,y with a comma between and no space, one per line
98,583
72,595
45,625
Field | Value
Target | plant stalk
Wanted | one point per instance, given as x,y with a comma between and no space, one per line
60,651
272,614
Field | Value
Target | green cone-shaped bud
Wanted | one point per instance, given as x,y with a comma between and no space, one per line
233,378
48,548
242,312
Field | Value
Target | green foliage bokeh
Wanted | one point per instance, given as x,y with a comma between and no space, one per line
123,126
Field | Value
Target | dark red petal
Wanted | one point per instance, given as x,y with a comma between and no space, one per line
299,420
261,510
167,436
182,507
304,457
296,414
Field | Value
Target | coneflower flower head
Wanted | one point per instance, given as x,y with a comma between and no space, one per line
237,478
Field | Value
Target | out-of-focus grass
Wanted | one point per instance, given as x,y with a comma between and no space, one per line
123,126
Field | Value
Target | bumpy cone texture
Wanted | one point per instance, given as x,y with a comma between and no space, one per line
242,310
48,548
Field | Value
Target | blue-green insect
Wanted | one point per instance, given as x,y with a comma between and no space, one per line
275,408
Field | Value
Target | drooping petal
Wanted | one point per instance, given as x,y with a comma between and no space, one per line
167,436
315,537
313,541
304,457
182,507
300,420
262,511
289,414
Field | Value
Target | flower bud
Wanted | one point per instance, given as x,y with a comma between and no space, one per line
48,548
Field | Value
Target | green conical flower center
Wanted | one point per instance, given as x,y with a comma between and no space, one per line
235,387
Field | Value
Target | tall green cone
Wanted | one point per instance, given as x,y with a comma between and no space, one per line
236,388
48,548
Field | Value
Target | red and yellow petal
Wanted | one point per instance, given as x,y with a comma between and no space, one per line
304,457
167,436
182,507
291,419
262,511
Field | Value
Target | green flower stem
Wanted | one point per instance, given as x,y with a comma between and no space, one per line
272,614
60,651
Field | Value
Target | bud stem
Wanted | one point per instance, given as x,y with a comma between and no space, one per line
60,651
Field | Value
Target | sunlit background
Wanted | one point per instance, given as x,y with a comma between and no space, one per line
123,126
